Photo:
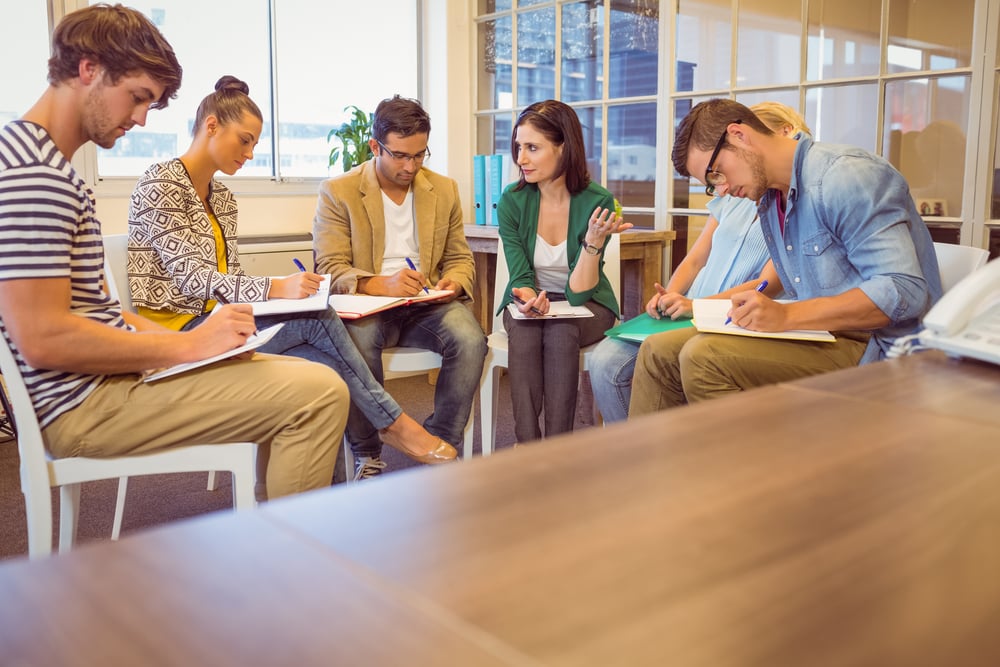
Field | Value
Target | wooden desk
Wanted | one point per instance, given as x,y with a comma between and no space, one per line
829,521
228,589
642,265
803,526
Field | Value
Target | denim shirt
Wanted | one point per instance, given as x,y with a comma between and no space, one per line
850,222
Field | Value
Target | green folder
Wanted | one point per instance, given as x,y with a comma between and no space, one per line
636,329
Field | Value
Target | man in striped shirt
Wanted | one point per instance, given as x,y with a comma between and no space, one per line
81,356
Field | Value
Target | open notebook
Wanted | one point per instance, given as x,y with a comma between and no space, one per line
253,342
353,306
710,316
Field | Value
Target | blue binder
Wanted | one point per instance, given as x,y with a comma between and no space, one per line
494,173
479,187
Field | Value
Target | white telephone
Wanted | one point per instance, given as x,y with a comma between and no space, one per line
966,321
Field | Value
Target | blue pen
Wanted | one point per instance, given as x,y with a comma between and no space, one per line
409,263
760,288
298,264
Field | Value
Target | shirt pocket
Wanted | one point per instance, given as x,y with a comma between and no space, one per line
825,260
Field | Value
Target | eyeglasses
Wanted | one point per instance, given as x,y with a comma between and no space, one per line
714,178
422,156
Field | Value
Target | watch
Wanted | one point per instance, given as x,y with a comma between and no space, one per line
590,249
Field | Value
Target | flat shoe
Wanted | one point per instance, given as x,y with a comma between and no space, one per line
440,454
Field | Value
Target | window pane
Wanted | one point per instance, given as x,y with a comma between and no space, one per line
493,134
929,35
704,44
769,40
789,98
635,29
495,57
582,51
590,121
536,56
632,153
688,192
843,39
843,114
925,136
529,3
308,111
24,39
490,6
167,133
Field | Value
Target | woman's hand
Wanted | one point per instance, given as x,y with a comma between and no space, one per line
602,223
530,304
296,286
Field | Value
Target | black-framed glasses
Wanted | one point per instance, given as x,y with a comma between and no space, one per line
422,156
714,178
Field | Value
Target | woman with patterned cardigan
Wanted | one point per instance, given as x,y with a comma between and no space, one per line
183,259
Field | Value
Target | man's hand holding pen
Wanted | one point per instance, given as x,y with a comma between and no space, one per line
529,303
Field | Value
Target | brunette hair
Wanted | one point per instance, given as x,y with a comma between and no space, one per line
558,122
121,40
401,115
705,123
228,103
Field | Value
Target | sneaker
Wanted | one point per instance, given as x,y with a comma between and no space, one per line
366,467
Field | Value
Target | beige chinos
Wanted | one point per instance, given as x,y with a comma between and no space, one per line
684,366
293,409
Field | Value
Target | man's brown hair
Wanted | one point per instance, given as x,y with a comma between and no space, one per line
122,40
705,123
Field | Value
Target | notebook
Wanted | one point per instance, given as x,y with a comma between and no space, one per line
710,316
354,306
253,342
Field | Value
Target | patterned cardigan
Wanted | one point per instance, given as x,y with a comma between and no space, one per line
172,263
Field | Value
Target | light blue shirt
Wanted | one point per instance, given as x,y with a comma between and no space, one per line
738,248
850,222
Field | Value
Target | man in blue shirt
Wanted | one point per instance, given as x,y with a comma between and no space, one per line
845,239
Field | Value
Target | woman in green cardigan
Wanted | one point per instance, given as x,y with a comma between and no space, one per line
553,223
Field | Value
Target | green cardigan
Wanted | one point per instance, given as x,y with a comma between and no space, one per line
517,212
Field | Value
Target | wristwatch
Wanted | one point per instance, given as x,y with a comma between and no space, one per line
590,249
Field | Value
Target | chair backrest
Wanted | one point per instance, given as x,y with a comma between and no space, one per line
612,269
30,446
957,261
116,268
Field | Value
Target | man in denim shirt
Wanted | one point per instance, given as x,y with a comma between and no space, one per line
847,243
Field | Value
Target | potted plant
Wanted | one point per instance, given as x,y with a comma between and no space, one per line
353,138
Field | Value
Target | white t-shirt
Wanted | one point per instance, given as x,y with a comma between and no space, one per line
551,266
400,235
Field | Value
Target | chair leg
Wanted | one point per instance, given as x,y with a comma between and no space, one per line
348,460
38,508
116,527
69,514
489,402
213,483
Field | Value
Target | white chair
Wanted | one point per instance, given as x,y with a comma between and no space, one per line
116,275
496,356
40,472
957,261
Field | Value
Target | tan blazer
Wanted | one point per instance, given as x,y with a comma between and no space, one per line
349,229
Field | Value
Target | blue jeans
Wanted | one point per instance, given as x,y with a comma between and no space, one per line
448,329
612,364
321,337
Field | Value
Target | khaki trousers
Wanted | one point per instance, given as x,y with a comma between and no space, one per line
682,366
295,411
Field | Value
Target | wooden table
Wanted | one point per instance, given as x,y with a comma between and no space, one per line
846,519
642,265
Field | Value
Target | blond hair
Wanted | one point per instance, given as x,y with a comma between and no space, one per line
777,116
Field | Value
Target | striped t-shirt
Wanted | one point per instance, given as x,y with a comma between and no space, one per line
48,230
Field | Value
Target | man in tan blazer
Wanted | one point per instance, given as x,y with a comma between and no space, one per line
392,227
